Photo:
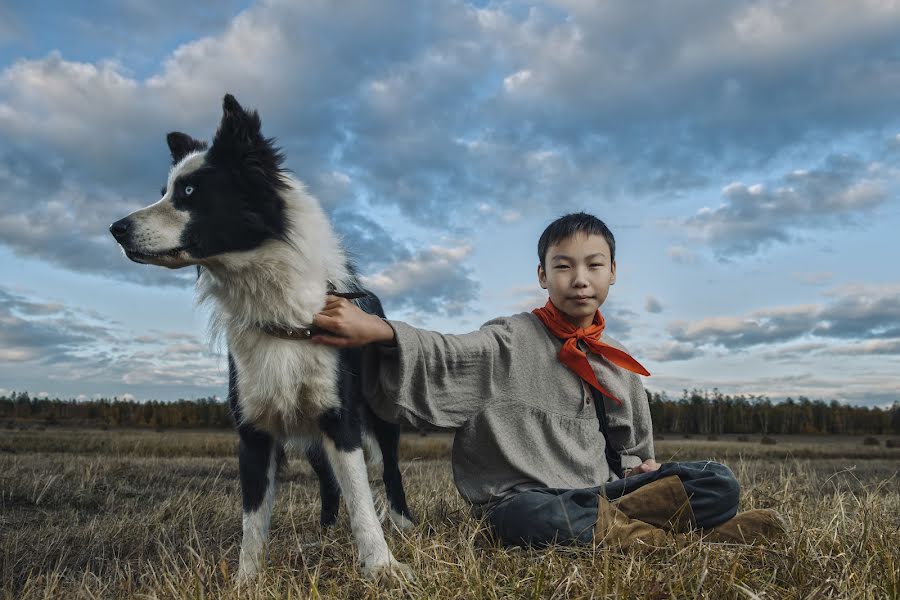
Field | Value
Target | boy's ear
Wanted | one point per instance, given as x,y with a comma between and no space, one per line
542,276
612,268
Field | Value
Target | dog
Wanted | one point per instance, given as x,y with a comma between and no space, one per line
266,257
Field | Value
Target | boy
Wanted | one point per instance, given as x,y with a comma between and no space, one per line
553,436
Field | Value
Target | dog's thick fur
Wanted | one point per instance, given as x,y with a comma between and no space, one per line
267,255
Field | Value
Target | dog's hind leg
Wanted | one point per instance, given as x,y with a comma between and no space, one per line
329,491
258,462
343,446
388,436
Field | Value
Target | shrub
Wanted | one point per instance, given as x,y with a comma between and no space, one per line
892,443
743,438
871,441
712,438
768,441
687,436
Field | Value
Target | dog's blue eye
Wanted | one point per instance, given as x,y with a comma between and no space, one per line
188,190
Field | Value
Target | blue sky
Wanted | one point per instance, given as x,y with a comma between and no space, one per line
745,154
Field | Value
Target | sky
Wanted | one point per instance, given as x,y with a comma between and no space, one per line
744,154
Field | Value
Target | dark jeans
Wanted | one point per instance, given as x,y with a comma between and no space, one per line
545,516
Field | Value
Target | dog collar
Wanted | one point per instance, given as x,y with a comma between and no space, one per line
303,332
286,332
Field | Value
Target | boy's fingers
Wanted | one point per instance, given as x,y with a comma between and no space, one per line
324,321
334,300
329,340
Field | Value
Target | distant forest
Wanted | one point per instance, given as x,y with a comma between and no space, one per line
695,412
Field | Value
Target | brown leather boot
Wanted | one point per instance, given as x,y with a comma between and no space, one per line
749,527
663,503
615,529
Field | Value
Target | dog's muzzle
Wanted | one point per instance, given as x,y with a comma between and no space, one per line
119,230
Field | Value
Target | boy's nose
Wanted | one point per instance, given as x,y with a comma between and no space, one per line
580,278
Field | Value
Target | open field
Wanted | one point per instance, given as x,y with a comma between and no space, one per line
120,514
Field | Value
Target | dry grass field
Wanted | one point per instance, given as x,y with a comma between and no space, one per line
135,514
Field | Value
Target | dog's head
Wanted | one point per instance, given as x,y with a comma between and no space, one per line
218,199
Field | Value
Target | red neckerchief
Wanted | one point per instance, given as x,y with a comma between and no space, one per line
572,356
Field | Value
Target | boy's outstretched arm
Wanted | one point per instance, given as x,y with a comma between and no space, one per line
417,375
349,325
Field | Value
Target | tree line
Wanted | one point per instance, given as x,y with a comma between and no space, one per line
695,412
704,412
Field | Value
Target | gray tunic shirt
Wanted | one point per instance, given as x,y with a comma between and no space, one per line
523,420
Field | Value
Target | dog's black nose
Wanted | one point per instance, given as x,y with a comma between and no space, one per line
120,228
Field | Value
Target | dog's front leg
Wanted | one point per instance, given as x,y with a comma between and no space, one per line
258,462
350,469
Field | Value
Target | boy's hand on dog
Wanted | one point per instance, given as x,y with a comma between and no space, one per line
352,327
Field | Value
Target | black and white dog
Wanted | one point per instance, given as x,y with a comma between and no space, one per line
267,257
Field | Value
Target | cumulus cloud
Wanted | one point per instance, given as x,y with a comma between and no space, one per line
652,305
43,332
860,312
682,255
526,298
435,280
753,216
53,342
369,245
674,351
443,109
889,346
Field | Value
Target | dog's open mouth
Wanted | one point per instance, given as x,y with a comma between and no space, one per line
177,257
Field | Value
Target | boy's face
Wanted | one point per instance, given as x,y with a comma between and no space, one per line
577,276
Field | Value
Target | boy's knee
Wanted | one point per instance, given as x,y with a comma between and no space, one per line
537,519
726,487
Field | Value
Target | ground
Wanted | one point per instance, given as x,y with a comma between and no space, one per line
123,514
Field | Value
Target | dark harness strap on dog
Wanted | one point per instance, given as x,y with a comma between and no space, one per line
304,332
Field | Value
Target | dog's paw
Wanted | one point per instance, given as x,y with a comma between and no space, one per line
389,570
245,576
399,521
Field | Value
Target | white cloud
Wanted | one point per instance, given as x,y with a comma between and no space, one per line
682,255
41,341
889,346
652,305
863,312
673,351
435,279
753,216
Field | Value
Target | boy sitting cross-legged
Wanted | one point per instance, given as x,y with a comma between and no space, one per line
553,437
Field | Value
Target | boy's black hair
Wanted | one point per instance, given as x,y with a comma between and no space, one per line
567,226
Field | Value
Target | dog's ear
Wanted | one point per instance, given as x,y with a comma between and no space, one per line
239,141
239,130
181,144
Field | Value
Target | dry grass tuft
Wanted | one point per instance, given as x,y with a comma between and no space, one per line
157,515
